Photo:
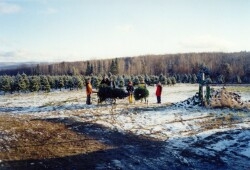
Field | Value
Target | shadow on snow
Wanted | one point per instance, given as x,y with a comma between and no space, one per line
134,152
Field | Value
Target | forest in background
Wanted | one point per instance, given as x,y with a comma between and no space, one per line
219,67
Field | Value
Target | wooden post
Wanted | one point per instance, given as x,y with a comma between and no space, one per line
208,91
202,89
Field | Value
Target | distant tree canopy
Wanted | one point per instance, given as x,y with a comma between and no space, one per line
219,67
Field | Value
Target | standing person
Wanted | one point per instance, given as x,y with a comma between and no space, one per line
112,83
158,92
88,91
130,89
105,81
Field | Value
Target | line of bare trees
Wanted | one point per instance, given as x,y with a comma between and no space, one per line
220,67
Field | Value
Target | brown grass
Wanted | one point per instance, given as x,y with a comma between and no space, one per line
23,138
225,121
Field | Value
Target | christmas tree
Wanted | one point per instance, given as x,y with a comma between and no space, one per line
140,93
106,92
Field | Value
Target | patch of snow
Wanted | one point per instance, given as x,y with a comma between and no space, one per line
179,126
246,152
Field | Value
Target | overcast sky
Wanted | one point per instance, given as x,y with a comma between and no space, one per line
76,30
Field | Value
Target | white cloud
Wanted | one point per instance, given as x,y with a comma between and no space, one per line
14,56
125,28
49,11
205,43
8,8
24,55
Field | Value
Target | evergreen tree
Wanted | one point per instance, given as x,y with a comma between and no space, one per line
194,79
65,82
52,82
154,79
5,85
110,74
26,81
226,71
136,80
185,78
60,82
221,79
178,78
147,79
44,83
94,81
163,80
20,84
141,78
203,69
140,93
120,81
189,78
34,83
89,69
114,67
173,80
78,83
12,84
238,79
169,82
70,82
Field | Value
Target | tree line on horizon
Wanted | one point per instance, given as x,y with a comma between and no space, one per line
218,67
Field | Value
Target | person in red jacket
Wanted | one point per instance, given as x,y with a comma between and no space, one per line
158,92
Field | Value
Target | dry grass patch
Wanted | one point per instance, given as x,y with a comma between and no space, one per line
225,121
22,138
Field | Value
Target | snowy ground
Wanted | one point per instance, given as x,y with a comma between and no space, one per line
171,137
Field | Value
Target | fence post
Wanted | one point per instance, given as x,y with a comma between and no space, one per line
208,91
202,90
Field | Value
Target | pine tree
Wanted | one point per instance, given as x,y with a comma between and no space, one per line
12,84
114,67
34,83
147,79
120,81
117,67
20,84
226,71
238,79
136,80
78,83
140,93
51,82
163,79
169,82
194,79
44,84
70,82
173,80
221,79
26,81
60,83
95,81
89,69
5,84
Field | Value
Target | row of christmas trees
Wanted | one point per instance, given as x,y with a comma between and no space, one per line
24,83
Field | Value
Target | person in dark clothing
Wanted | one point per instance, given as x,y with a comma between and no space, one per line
130,89
158,92
112,83
105,81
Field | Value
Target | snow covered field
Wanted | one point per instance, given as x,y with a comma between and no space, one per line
187,137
